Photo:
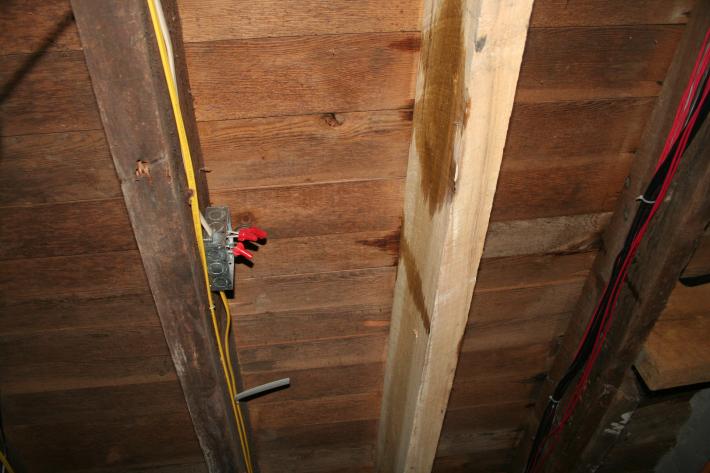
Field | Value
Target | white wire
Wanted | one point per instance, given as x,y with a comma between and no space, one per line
166,39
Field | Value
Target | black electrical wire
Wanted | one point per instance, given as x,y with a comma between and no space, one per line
693,281
3,440
641,217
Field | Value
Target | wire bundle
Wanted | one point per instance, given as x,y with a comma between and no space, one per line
221,342
690,114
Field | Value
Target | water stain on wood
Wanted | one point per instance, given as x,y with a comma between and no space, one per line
407,115
388,243
410,43
440,110
414,283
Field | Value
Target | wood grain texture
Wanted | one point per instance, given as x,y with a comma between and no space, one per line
365,289
476,391
140,125
324,253
100,404
139,440
486,418
222,19
511,336
460,125
507,334
305,289
675,353
458,443
53,96
25,25
553,157
299,326
344,447
318,209
133,309
651,432
554,187
266,146
596,62
517,272
567,234
65,229
588,82
358,457
86,381
542,131
90,373
642,305
311,384
699,264
520,303
527,360
550,13
71,276
352,407
186,467
686,302
317,74
72,347
333,434
56,167
493,461
307,148
325,353
622,407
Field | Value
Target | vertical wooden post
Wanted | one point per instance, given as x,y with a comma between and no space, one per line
130,87
471,55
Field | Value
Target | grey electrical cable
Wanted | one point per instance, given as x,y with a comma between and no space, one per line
263,388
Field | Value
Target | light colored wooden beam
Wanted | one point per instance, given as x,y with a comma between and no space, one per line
470,62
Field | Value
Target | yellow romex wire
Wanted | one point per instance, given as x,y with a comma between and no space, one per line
5,462
225,358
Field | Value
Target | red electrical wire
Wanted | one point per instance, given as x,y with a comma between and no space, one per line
679,127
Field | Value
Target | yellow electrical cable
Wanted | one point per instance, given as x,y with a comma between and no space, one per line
228,325
194,205
226,337
4,461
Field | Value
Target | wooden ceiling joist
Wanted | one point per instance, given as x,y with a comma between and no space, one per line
669,243
130,87
470,62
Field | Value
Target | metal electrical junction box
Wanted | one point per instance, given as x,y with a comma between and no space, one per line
220,259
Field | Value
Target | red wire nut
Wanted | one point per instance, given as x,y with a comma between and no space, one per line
251,234
247,234
239,250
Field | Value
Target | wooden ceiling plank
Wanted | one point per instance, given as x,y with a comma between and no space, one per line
671,239
127,77
471,55
675,353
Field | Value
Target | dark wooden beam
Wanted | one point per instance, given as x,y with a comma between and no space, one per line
612,425
130,87
672,237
